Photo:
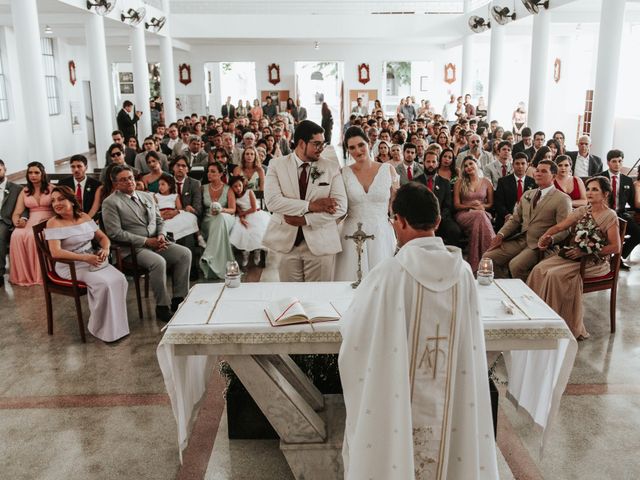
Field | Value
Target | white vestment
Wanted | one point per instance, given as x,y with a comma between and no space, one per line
414,371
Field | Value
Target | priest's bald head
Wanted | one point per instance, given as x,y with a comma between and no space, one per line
416,212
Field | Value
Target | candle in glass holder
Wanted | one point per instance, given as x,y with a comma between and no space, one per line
232,276
485,271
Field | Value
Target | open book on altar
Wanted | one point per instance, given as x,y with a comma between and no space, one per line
289,311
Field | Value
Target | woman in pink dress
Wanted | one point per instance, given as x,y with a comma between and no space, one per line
35,197
472,197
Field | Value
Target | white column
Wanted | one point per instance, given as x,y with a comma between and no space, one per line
497,76
141,81
34,96
167,69
103,109
604,94
538,71
467,55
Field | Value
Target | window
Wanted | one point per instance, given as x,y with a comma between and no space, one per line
4,101
50,79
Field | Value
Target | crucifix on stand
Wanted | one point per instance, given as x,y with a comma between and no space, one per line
359,237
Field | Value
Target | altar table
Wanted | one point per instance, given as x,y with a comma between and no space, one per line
217,321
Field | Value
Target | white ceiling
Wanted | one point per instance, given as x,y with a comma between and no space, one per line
277,22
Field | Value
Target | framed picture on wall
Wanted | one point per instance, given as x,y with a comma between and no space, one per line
126,77
126,88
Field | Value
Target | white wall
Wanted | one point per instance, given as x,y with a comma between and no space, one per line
286,55
17,135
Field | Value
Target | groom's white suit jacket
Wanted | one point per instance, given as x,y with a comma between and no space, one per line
282,197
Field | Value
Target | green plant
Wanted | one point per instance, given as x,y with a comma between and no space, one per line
401,71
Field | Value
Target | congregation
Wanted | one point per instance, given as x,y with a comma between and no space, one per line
206,190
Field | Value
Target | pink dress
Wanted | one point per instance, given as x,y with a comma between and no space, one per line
477,225
25,268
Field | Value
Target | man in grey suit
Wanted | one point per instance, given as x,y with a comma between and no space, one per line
408,169
516,244
9,192
502,166
196,156
133,217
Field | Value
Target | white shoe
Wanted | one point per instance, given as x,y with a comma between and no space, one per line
256,257
245,258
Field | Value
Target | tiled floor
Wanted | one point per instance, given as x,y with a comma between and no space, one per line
76,411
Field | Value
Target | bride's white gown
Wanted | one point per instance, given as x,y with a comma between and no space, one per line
371,208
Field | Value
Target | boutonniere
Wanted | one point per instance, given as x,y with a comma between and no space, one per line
626,187
315,173
437,187
6,190
88,189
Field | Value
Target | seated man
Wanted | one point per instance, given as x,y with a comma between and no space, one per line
408,169
516,244
412,339
9,192
85,187
501,167
511,188
129,153
449,230
195,154
188,190
623,200
133,216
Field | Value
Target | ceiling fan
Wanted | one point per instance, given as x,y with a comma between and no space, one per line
533,6
102,7
156,23
133,17
502,15
478,24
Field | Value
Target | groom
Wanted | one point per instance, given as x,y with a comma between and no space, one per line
306,196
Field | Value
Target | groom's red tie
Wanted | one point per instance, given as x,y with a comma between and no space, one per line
302,184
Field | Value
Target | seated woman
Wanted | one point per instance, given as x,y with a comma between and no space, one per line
69,234
251,170
152,178
566,182
554,146
179,222
447,167
472,197
396,155
35,197
384,152
250,223
543,153
557,279
217,222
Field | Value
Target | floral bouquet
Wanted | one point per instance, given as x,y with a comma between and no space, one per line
587,236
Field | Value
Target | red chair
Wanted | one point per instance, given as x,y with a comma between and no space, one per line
608,281
53,283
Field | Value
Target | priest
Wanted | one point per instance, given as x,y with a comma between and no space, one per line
412,360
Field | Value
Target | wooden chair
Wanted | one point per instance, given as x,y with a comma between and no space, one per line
129,267
608,281
53,283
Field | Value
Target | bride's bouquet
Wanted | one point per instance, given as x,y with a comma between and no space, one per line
587,237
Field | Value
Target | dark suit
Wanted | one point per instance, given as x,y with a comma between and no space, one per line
506,195
88,194
449,230
228,111
191,196
626,196
518,147
531,152
11,193
126,124
595,163
129,157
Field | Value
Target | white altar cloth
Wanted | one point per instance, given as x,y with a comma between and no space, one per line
214,320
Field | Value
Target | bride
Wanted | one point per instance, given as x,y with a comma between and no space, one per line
370,186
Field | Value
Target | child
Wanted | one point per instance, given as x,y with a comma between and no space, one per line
251,223
179,222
